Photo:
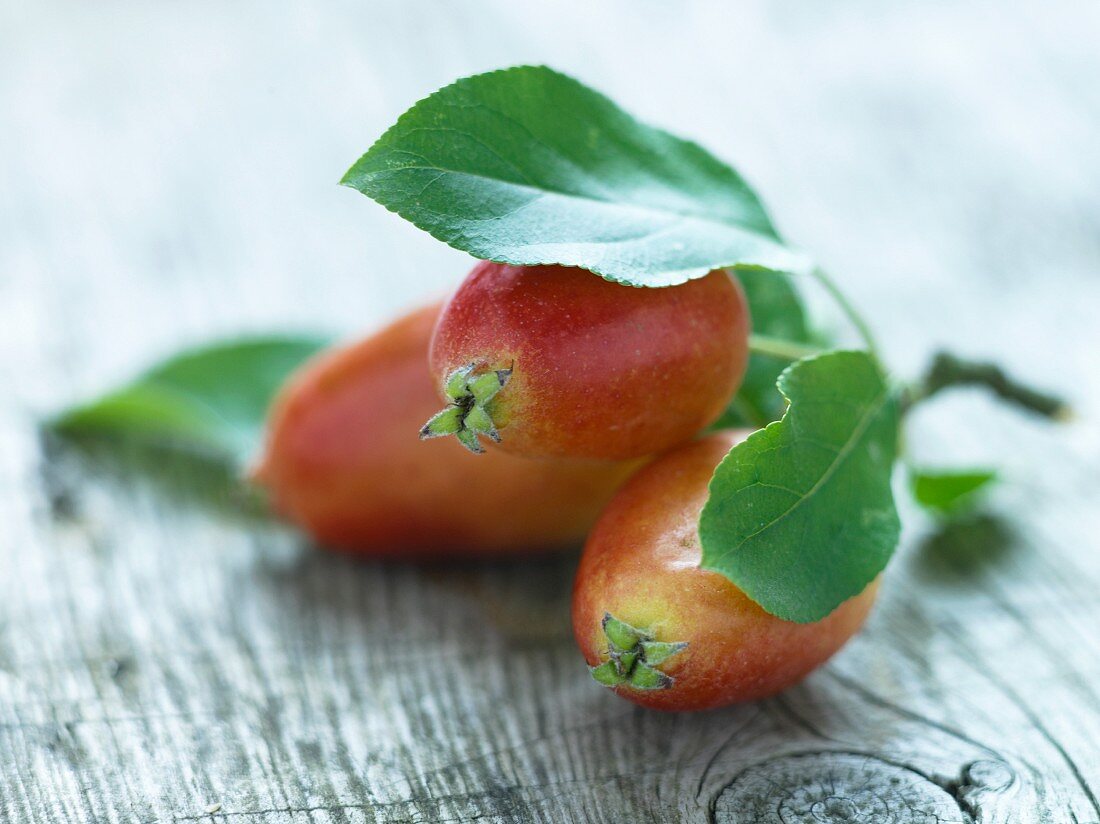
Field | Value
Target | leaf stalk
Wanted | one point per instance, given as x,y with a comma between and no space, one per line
947,371
780,348
848,308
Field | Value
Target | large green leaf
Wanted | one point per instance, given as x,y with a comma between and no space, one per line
211,399
801,515
776,311
528,166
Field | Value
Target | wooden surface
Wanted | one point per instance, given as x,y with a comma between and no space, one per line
167,175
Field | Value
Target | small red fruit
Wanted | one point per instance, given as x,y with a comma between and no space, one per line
665,633
552,361
343,461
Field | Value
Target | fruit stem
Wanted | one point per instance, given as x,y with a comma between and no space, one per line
947,371
846,306
779,348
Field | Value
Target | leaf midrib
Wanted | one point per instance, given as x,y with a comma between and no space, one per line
542,191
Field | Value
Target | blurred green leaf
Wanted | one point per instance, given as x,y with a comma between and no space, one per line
210,400
949,492
776,311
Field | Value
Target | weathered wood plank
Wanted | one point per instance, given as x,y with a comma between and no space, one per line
166,175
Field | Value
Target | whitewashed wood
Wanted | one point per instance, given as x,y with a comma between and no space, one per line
167,174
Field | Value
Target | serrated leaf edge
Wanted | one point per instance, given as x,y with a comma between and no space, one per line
876,406
789,259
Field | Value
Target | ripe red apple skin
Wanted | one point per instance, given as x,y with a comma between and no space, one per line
599,369
641,565
343,461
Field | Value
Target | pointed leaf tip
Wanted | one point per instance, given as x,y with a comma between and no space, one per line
471,136
950,492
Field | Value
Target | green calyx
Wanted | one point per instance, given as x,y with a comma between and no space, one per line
633,657
467,414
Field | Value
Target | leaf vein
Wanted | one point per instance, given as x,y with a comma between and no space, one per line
661,213
841,455
780,487
490,149
555,150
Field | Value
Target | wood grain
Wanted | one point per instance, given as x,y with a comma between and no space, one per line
167,174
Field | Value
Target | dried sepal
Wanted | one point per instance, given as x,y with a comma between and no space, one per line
455,387
606,674
486,386
478,420
468,438
645,677
633,657
657,652
443,423
467,416
620,634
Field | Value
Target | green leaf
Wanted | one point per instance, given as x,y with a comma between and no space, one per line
211,399
801,514
528,166
776,311
949,492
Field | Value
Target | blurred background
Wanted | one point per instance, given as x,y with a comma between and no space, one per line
186,156
168,176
